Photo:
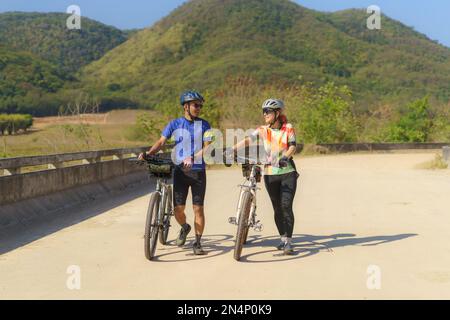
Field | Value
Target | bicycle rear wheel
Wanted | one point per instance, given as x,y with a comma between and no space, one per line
242,231
168,207
151,226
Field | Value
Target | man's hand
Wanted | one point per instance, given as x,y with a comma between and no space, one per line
188,162
141,156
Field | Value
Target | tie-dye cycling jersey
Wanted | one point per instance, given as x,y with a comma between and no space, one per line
276,143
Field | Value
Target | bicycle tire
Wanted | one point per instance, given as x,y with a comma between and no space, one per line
168,205
245,235
243,226
151,229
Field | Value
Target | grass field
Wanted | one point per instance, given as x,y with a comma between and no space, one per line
50,135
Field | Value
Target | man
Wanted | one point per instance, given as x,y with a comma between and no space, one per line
192,136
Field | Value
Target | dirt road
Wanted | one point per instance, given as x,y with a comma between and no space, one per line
368,226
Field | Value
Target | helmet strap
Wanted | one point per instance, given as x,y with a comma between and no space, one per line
189,112
275,120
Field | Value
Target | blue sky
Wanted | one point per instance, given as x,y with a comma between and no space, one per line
430,17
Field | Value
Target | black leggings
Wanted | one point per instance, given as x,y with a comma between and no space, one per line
282,190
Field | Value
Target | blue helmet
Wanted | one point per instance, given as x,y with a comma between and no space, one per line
190,96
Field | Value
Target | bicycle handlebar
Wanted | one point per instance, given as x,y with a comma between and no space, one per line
247,160
155,160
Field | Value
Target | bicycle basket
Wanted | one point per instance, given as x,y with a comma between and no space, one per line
164,170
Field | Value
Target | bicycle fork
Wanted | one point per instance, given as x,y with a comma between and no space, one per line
253,223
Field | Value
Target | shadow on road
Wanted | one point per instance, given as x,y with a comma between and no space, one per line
308,245
304,246
18,236
213,244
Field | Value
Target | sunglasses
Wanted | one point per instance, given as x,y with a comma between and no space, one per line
268,111
197,105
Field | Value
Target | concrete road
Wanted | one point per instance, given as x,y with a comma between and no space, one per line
368,226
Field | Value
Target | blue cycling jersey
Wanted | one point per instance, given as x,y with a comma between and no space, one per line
189,139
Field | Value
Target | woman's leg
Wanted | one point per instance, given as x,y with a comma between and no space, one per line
273,186
288,187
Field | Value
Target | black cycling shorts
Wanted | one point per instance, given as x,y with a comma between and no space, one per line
182,180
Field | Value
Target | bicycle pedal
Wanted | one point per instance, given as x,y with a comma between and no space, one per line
258,227
232,220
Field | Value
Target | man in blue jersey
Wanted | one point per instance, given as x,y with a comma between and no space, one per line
192,136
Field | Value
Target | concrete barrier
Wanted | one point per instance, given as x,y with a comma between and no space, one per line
28,211
60,184
92,168
353,147
446,154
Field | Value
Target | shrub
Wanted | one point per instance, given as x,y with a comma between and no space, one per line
414,125
12,123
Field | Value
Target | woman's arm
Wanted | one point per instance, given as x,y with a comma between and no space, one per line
290,152
243,143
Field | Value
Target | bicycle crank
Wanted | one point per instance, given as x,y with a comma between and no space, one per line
258,227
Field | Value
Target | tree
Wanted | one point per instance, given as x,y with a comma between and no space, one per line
414,125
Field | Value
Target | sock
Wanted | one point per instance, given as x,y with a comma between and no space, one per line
185,226
288,240
198,237
283,239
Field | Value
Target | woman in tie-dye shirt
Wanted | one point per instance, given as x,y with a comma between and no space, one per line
280,176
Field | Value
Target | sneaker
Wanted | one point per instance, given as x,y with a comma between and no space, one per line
288,250
281,245
181,240
198,250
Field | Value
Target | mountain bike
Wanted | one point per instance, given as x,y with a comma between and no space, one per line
246,207
160,208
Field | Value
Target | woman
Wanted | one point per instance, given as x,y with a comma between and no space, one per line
280,176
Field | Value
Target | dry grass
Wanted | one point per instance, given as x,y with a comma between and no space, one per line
437,163
52,135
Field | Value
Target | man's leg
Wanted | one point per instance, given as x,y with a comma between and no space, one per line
198,188
180,214
199,221
180,191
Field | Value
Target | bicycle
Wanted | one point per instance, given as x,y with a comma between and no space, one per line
160,208
246,207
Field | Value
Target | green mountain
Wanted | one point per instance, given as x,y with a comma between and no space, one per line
27,83
47,36
203,42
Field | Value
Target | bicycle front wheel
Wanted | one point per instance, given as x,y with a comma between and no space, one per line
151,226
242,231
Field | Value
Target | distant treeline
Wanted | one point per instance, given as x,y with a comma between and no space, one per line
12,123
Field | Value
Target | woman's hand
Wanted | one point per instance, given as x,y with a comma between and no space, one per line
283,162
228,156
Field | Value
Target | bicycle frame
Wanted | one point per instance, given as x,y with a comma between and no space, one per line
251,186
161,188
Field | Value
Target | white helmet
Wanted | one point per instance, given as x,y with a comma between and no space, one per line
273,104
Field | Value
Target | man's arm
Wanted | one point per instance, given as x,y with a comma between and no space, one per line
155,148
200,153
